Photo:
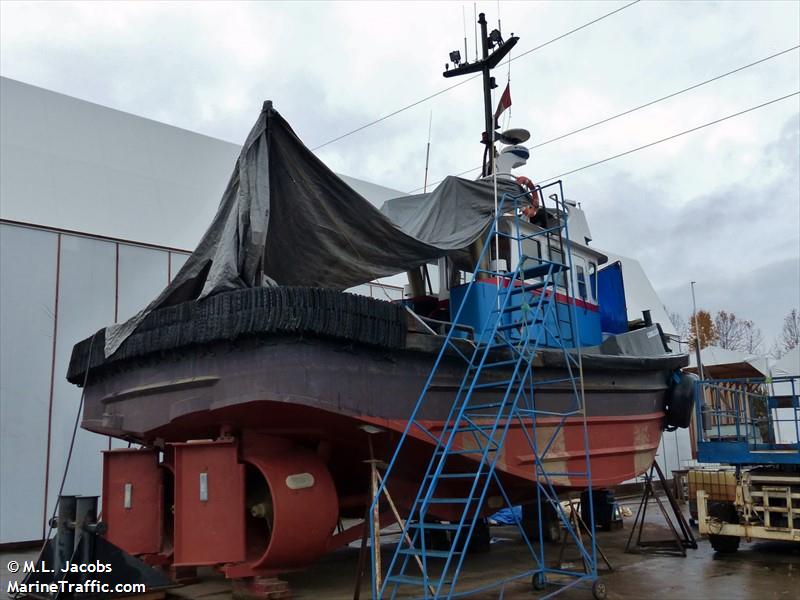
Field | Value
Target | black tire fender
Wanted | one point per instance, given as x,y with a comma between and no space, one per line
680,400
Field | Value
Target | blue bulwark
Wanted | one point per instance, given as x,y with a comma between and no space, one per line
611,291
480,302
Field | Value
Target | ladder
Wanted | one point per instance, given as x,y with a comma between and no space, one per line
525,315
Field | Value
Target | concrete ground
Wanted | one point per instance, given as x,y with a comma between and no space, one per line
759,571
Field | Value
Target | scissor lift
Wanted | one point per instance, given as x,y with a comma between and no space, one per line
754,426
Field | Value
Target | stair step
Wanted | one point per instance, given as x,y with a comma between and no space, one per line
496,365
438,526
427,553
454,475
528,288
493,384
449,500
468,428
470,450
501,346
541,269
484,406
519,324
406,580
411,580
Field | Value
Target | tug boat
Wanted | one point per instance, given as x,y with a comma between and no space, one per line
257,392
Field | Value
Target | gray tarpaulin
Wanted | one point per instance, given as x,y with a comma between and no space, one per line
286,219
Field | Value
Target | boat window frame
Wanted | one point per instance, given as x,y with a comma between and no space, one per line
560,277
593,281
580,280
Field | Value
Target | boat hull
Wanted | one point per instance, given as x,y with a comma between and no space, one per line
315,391
288,407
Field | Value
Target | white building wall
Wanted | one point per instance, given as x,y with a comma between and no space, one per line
27,306
71,173
57,288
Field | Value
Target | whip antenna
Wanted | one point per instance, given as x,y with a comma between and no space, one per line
475,21
464,24
428,150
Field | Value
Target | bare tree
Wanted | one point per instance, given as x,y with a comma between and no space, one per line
790,332
753,338
680,324
731,331
776,350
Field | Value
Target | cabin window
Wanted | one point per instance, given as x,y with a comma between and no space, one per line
557,257
593,280
505,251
581,276
532,249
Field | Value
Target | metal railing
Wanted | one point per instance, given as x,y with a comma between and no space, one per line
750,415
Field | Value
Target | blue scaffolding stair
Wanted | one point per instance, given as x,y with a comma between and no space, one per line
525,315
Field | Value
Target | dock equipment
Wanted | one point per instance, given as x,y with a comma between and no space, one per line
681,534
524,317
78,562
753,425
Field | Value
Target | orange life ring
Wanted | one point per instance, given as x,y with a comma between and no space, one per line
533,194
525,182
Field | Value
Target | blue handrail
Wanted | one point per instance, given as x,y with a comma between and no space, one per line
529,326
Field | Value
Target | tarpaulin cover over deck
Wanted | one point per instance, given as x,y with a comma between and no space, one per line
285,218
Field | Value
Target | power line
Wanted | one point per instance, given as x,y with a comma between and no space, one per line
671,137
640,107
462,82
391,114
667,97
585,25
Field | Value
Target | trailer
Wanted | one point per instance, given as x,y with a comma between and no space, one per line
752,427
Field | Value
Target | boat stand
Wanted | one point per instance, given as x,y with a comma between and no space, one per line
88,560
580,527
680,541
372,516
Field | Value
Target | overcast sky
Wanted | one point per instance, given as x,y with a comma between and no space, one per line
720,206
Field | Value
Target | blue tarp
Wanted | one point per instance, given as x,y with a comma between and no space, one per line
611,295
506,516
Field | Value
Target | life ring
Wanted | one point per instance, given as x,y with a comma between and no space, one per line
533,194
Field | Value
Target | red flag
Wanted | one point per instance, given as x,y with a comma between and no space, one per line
505,102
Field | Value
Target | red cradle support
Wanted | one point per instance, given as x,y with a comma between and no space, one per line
209,504
133,500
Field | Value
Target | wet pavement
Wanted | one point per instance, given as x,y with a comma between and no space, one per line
758,571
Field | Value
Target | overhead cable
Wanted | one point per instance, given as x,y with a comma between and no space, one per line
667,97
671,137
634,109
462,82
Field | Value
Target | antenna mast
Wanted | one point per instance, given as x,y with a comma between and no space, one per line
464,23
475,26
427,153
484,65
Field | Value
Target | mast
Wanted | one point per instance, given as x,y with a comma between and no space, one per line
485,66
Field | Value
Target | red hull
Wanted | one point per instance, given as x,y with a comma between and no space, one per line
292,450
